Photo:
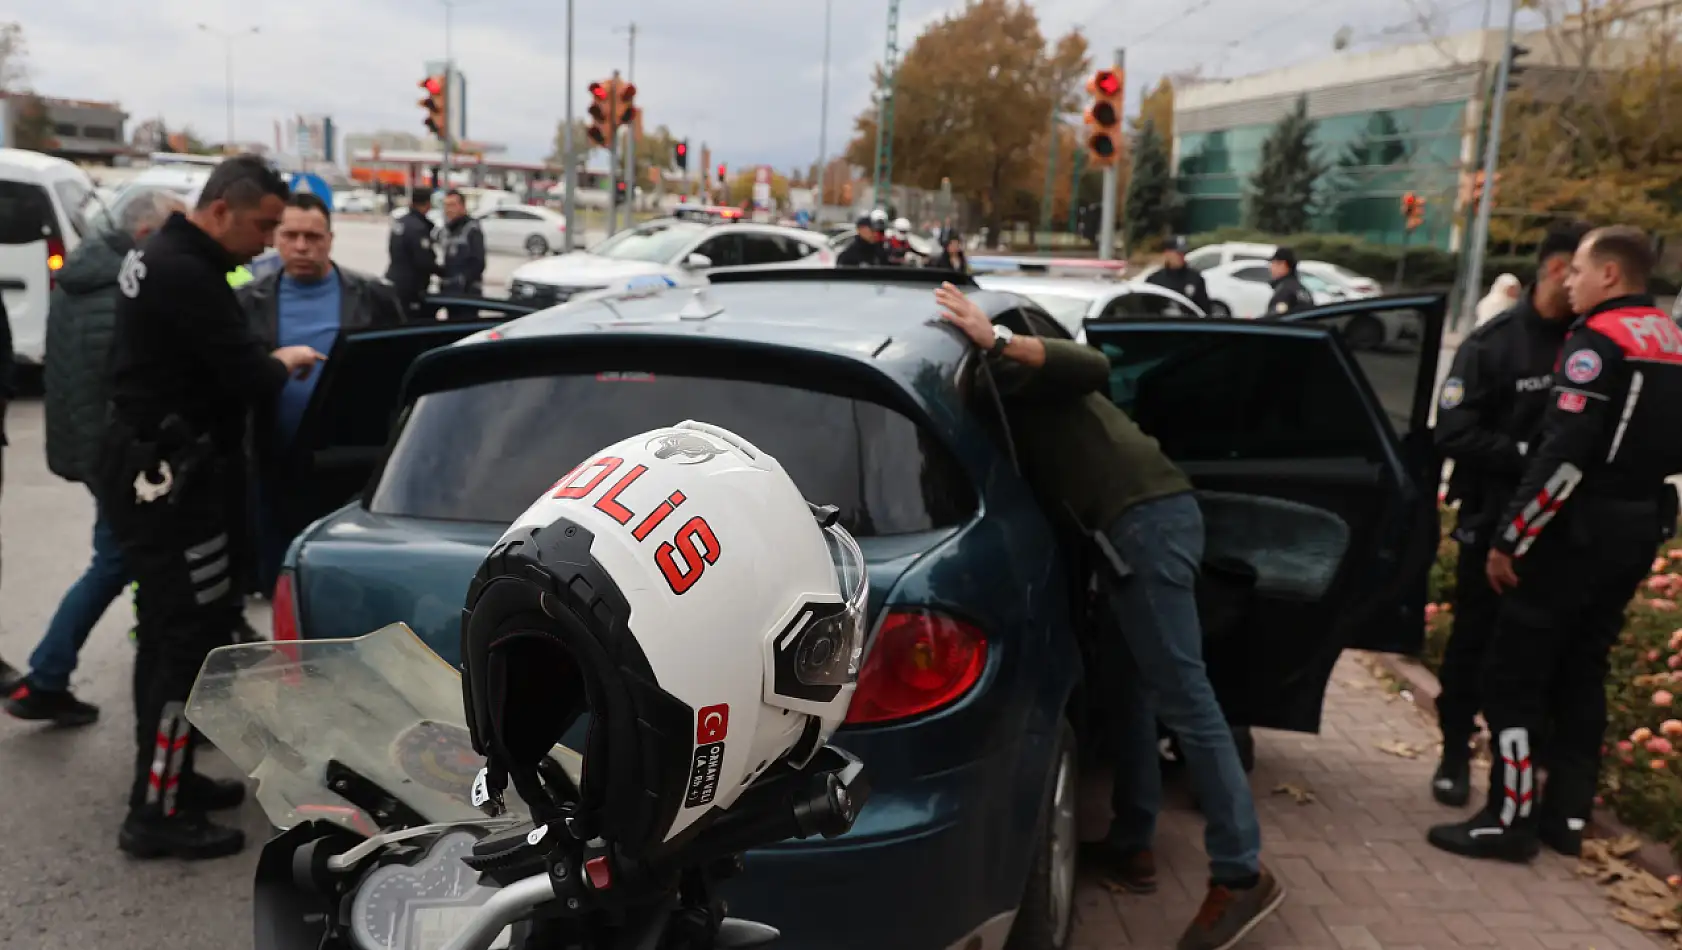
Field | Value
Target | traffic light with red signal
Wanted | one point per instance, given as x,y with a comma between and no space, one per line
626,111
1413,210
721,173
601,113
1103,118
436,104
680,155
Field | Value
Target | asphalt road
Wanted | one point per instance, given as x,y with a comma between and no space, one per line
62,792
359,242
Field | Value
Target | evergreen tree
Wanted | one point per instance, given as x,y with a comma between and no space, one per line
1282,191
1152,202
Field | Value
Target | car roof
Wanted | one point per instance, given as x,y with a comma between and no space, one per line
32,163
895,326
1068,287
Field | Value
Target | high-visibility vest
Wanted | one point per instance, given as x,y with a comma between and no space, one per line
239,277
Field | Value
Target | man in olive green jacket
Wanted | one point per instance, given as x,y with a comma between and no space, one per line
1077,447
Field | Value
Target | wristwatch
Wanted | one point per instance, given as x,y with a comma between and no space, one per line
1001,339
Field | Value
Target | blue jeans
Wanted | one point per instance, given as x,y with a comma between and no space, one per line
1160,674
84,603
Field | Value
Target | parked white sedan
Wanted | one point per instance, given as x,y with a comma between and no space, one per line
1245,286
523,229
666,252
1073,301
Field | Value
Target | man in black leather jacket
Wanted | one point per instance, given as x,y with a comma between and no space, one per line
1488,415
311,300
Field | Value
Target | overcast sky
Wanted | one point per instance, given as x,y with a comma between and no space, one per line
744,76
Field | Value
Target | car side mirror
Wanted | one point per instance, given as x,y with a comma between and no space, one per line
697,262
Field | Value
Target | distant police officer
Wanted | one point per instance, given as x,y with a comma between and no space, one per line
1176,276
185,371
1289,295
1489,413
865,250
1573,545
464,253
413,261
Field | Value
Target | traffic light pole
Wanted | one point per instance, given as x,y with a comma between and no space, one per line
1112,175
450,105
613,156
569,174
1491,157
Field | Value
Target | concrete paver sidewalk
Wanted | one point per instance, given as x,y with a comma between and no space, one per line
1360,874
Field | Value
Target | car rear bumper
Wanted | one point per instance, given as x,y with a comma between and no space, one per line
928,866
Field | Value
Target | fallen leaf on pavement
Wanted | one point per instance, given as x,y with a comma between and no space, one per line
1398,748
1302,795
1646,922
1624,847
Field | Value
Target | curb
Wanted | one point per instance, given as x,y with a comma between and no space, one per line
1654,858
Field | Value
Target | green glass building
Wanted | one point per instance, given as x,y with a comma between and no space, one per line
1389,122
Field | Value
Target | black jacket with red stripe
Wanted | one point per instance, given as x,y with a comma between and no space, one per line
1614,428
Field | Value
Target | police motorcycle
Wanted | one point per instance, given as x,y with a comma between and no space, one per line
702,723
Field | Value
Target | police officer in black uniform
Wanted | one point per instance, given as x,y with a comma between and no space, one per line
413,262
464,254
185,371
866,249
1176,276
1489,413
1573,545
1289,295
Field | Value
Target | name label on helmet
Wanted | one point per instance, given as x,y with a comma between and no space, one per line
703,775
683,559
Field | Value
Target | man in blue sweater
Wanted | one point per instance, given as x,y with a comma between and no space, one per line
308,302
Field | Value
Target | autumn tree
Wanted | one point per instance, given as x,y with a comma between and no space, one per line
1156,108
1282,190
1601,142
1152,203
972,101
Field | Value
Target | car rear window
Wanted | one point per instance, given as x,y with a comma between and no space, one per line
26,213
486,452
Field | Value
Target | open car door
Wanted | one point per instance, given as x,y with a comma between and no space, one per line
1308,441
343,433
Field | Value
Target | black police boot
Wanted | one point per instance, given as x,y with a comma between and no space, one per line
188,835
9,678
1562,835
1452,782
203,793
1483,836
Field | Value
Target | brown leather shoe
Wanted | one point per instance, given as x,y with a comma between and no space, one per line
1134,872
1228,914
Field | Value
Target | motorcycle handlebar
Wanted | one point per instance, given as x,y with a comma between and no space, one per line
506,906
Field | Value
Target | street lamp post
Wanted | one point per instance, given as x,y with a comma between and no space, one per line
569,174
823,113
227,39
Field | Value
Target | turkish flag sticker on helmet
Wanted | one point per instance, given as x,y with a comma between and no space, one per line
712,724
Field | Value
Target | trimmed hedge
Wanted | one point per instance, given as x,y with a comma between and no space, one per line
1427,267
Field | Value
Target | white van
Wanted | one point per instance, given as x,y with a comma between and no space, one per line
46,204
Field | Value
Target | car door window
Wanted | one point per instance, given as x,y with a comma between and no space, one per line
72,196
724,250
1142,305
1210,397
761,249
1257,275
1201,261
1389,344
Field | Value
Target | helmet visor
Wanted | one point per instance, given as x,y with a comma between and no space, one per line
830,650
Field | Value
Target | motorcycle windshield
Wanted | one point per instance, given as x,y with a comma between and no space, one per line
383,706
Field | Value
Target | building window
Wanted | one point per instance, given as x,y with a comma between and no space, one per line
1373,158
100,133
65,130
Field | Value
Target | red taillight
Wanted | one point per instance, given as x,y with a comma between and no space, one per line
285,608
919,662
55,260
